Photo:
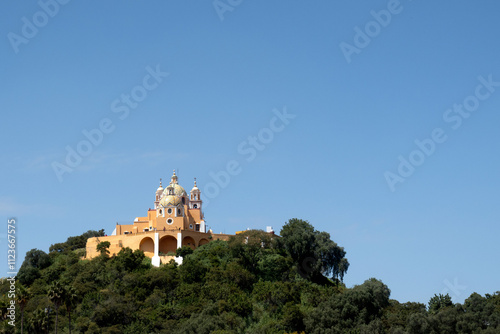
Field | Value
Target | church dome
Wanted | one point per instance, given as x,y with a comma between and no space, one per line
170,200
178,190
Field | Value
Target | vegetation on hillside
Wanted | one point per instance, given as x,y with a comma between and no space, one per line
254,283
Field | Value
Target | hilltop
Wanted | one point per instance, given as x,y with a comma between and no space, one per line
253,283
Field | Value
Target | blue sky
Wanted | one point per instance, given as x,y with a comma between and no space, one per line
353,117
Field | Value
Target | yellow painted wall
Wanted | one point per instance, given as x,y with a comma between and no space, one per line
145,241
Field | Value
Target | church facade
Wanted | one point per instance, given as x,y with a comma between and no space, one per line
177,220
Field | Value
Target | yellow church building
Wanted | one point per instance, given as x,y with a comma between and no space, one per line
176,220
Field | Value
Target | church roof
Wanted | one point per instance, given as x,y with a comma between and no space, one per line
178,190
170,200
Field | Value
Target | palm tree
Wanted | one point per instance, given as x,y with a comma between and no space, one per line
56,295
69,298
22,297
103,248
38,323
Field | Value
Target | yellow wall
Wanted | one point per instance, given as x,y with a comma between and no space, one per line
145,241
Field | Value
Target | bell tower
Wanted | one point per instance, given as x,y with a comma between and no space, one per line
159,191
195,197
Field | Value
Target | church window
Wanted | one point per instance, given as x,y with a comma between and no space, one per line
191,226
169,211
170,221
195,206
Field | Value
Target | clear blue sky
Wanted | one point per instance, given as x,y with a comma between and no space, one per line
356,112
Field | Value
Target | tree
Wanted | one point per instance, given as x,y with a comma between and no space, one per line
274,267
37,259
77,242
34,261
438,302
313,252
350,310
22,297
69,299
103,248
250,246
396,315
27,274
293,319
4,303
128,260
184,251
38,322
56,295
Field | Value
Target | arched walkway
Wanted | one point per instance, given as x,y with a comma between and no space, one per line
202,242
188,241
168,244
147,245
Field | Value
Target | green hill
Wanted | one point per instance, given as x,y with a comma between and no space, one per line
254,283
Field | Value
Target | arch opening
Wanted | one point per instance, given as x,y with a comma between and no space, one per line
147,246
203,242
189,241
167,244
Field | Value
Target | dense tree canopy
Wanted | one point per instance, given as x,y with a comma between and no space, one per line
77,242
438,302
313,252
254,283
34,261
